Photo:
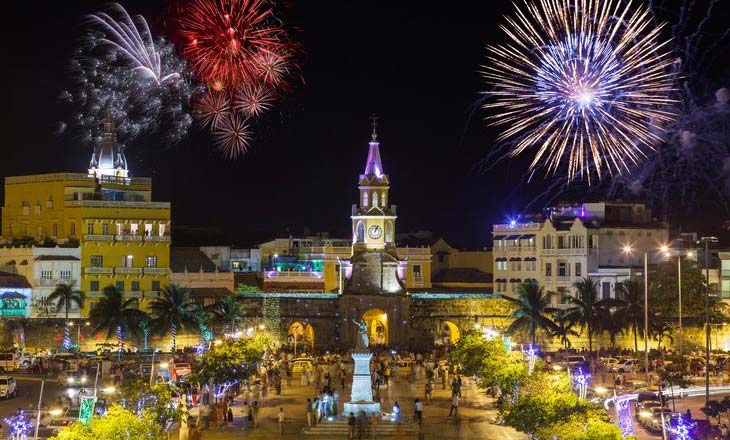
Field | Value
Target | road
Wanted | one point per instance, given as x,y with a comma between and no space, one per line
29,387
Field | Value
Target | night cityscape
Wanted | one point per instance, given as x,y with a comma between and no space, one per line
274,219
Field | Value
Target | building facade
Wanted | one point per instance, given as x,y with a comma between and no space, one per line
568,242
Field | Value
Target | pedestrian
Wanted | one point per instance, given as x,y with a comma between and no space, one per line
362,423
454,405
335,402
429,391
309,413
396,410
281,421
351,426
724,432
230,415
689,414
418,410
315,411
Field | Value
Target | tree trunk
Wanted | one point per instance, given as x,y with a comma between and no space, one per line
174,339
590,339
636,341
119,341
66,332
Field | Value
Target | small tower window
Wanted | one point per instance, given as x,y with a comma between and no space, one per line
384,199
365,198
375,199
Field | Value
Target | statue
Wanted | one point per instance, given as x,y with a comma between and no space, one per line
362,340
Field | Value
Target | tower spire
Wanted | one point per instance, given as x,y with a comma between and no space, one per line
374,166
374,122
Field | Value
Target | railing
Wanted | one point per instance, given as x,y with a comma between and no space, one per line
518,227
564,280
548,252
128,237
156,270
52,282
115,204
99,237
98,270
272,275
324,250
413,251
128,270
78,177
157,238
572,251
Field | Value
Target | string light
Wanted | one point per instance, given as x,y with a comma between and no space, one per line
531,353
683,430
272,315
19,426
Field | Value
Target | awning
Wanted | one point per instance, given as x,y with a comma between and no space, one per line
528,236
513,237
500,259
12,295
515,259
498,237
530,259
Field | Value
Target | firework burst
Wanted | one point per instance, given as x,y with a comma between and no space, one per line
232,136
212,108
252,101
123,70
585,83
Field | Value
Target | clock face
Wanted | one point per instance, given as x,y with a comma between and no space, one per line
375,232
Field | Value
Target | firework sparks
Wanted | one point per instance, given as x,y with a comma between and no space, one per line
122,69
234,42
252,101
584,82
233,136
212,108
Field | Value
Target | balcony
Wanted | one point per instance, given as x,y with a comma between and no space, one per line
156,270
289,276
548,252
99,237
564,281
115,204
157,238
98,270
51,283
128,237
404,252
518,227
577,251
128,270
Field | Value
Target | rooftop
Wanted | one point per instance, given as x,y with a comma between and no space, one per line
13,280
190,259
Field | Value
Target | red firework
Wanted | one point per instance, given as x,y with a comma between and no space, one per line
212,107
234,42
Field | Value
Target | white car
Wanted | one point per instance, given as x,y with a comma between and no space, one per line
625,366
8,387
572,361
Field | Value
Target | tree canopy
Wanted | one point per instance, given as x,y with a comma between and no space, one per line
231,359
117,424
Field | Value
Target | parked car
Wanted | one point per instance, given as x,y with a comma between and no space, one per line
654,422
644,408
300,363
608,362
55,425
625,366
573,361
8,387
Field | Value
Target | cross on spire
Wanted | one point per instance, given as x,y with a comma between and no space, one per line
374,122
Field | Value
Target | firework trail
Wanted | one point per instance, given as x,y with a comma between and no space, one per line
240,50
120,68
586,84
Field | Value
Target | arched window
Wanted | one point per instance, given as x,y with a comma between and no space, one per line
360,232
389,232
365,198
384,199
375,200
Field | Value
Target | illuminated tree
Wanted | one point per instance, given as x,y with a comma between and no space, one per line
532,310
585,308
64,295
117,424
114,313
173,311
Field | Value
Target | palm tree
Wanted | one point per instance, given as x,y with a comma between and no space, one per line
612,319
64,296
633,296
114,313
585,308
532,308
227,312
173,311
661,330
563,328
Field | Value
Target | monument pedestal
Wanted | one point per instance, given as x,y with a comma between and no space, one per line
361,398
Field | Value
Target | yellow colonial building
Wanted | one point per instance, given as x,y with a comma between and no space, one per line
123,236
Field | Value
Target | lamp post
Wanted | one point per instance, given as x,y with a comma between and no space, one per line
78,333
707,241
667,252
627,250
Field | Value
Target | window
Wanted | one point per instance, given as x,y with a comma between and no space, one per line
147,229
39,231
90,228
55,229
49,202
135,286
384,199
562,269
120,285
155,285
605,290
46,274
37,208
97,261
416,271
73,229
162,230
128,261
561,242
133,228
375,199
578,270
64,274
94,286
365,198
150,261
105,228
119,229
548,269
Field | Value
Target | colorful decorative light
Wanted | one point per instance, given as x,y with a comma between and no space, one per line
19,426
531,354
580,381
683,430
623,412
86,409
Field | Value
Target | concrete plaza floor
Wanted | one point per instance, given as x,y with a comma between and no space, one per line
474,421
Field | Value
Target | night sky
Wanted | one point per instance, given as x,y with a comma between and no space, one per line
413,63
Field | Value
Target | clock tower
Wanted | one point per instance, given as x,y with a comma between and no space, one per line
373,221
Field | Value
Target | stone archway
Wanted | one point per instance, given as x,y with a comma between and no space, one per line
377,321
300,336
448,334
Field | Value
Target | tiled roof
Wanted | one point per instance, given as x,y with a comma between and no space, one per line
11,280
209,292
56,258
462,275
191,259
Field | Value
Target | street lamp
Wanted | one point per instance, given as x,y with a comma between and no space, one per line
627,250
707,241
667,252
78,333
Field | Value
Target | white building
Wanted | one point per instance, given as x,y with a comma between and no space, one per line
44,268
569,242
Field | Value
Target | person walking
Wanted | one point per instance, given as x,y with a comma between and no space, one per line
351,422
309,413
429,391
418,410
246,412
281,421
362,423
454,405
